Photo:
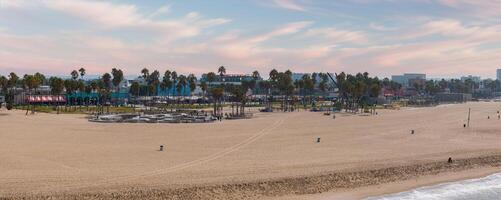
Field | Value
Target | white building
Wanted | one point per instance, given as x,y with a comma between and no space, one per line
475,79
406,79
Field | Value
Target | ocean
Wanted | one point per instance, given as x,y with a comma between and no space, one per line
487,188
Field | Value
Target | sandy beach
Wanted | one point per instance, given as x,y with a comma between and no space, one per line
272,156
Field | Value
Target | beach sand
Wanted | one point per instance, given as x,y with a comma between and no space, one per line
272,156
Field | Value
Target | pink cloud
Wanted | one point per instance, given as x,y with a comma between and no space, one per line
338,36
110,15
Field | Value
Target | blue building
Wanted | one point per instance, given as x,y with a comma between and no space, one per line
185,91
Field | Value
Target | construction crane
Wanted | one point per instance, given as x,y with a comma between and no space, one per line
332,79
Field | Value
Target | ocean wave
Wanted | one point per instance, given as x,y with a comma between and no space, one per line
487,188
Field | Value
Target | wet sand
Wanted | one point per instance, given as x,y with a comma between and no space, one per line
274,155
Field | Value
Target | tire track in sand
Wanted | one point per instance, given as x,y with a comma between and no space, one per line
175,168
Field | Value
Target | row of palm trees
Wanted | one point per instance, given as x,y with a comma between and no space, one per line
353,89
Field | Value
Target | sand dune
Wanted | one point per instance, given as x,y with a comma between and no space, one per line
273,155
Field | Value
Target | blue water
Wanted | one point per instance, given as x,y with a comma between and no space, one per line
487,188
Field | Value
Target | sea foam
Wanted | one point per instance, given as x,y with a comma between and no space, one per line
487,188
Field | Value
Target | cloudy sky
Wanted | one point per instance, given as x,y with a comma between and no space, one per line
443,38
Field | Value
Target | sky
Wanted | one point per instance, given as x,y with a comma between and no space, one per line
442,38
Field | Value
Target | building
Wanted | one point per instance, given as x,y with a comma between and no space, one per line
235,79
409,79
498,74
453,97
475,79
299,76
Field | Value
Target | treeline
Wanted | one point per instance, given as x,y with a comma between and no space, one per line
354,90
468,86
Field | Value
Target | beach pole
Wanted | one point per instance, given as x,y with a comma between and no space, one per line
469,112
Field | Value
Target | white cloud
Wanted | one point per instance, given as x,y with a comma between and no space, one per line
478,8
108,15
13,3
379,27
289,5
160,11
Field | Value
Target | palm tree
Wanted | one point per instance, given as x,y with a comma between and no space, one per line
211,77
134,90
56,87
203,86
324,79
88,91
154,81
255,75
3,84
221,70
82,72
285,86
41,78
118,76
105,90
167,83
30,82
192,82
217,95
255,78
266,86
13,80
74,74
146,75
181,84
80,86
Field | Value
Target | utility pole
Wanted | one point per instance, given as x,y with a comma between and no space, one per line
469,112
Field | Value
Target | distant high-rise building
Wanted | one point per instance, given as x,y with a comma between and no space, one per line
498,74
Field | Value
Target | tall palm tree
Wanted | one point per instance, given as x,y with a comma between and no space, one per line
11,85
181,84
221,70
82,72
211,77
217,95
74,74
266,86
154,81
13,80
118,76
203,86
255,78
105,90
146,75
192,82
174,78
167,83
3,84
31,83
41,78
56,88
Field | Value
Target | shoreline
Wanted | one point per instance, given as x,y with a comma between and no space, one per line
399,186
335,185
